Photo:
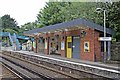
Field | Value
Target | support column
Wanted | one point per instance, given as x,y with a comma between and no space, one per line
6,42
109,50
36,45
46,50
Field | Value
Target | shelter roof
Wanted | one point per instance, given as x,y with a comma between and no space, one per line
76,22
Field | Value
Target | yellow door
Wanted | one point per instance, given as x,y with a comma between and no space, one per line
69,47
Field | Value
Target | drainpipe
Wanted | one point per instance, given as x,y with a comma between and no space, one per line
94,47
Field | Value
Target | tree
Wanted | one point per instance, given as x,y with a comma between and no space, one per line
57,12
114,18
27,26
10,30
0,24
9,24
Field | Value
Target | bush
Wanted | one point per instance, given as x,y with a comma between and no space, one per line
115,51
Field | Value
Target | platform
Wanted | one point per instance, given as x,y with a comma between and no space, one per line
112,66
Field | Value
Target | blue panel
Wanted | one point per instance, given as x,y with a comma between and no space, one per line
11,40
17,42
76,47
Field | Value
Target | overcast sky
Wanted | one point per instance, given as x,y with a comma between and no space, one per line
22,11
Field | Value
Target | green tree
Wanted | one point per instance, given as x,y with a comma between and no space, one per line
0,24
57,12
27,26
10,30
9,24
30,25
114,18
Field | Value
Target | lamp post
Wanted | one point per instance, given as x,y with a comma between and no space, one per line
104,11
0,33
105,36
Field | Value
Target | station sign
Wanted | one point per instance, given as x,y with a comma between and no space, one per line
105,38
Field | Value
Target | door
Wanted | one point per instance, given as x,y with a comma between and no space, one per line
69,46
76,47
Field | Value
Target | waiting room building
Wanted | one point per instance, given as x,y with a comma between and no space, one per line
78,39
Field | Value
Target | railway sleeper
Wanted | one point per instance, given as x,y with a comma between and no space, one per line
73,68
32,68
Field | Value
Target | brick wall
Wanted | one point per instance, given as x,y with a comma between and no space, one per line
97,46
63,38
47,40
91,37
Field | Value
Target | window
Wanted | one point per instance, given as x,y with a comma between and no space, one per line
69,44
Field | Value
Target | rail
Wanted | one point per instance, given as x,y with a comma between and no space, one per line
63,66
35,69
12,71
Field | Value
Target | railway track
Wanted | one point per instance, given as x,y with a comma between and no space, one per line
29,70
21,72
62,71
7,73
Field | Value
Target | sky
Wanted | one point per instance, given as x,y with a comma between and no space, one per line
22,11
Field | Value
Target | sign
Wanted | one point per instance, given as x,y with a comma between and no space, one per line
62,45
104,38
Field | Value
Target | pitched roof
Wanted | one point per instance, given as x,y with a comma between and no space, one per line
69,24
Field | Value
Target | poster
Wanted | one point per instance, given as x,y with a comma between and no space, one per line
34,44
45,44
86,47
62,45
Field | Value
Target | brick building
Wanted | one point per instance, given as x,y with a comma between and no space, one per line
74,39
